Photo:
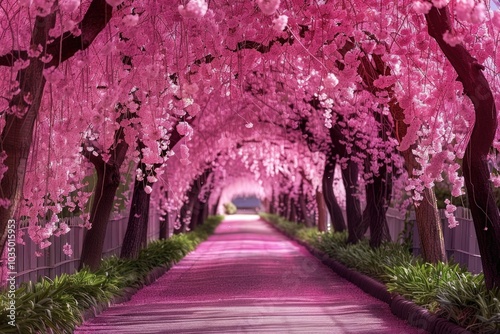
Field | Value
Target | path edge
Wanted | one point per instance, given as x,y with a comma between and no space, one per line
404,309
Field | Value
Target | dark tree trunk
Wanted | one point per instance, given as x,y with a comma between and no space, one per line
377,197
475,164
350,178
202,217
164,227
272,204
279,209
378,194
353,207
186,213
216,206
333,206
286,206
197,213
108,180
164,223
191,209
322,214
137,227
302,214
204,210
281,205
292,216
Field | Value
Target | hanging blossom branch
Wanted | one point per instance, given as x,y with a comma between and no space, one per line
65,46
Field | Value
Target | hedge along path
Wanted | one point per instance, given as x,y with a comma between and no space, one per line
249,278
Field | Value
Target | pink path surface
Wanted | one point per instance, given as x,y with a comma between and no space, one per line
248,278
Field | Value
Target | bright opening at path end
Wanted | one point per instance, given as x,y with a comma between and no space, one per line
241,217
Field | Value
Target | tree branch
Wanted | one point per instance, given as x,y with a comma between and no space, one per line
10,58
65,46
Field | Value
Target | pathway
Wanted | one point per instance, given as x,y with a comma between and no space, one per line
248,278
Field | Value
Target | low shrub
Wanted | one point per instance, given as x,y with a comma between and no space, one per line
45,307
230,208
422,281
373,262
299,231
332,242
311,235
466,301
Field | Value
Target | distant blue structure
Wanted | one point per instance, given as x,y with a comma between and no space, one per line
247,204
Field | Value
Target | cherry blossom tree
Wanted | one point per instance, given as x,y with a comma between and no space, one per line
36,50
475,163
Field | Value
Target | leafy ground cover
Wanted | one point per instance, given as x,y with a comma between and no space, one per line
57,305
446,289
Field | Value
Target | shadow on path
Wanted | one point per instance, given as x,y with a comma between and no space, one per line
248,278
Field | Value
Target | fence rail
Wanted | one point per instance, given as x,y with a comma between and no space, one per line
460,242
54,262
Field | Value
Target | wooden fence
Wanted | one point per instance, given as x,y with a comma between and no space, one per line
460,241
54,262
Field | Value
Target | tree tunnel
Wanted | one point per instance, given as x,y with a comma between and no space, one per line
176,104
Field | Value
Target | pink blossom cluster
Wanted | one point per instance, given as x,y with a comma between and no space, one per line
194,8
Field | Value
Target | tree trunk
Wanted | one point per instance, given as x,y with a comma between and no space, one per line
302,216
475,163
137,227
204,211
320,202
108,180
281,205
272,204
184,217
216,206
353,207
350,178
292,216
431,233
164,223
427,218
164,227
197,212
202,217
333,206
378,194
286,206
191,209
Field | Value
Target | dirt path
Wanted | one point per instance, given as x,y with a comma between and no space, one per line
248,278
